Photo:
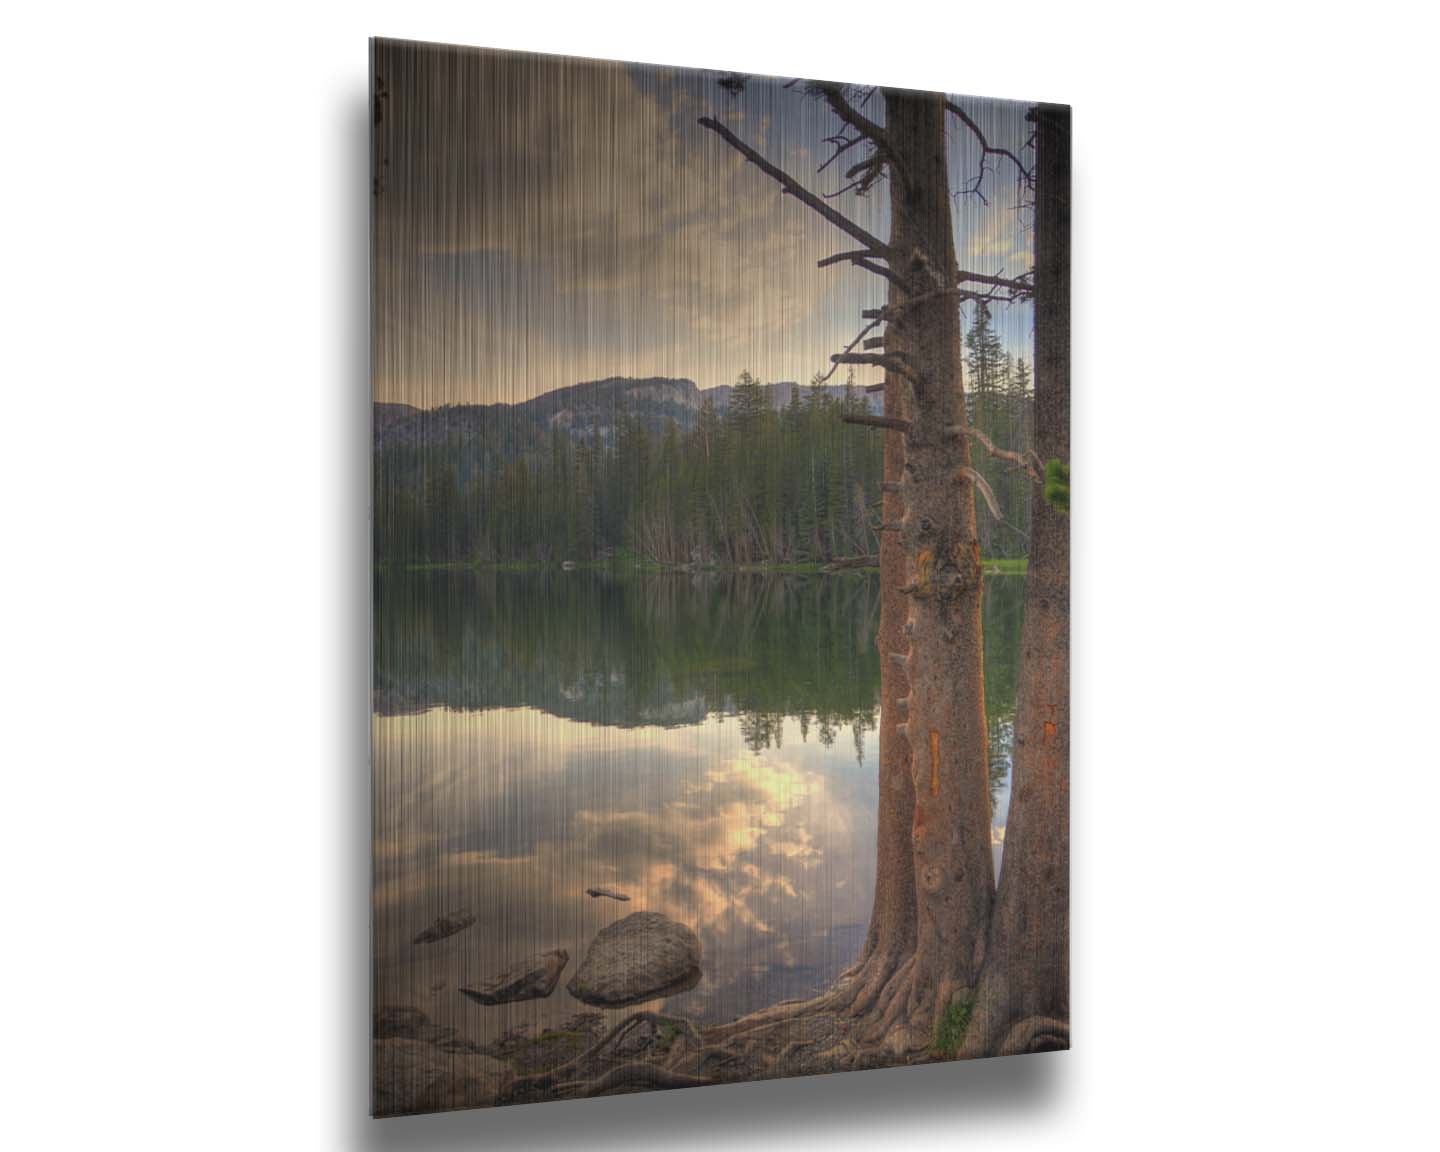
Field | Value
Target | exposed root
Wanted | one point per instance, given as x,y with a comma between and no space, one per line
1035,1034
643,1077
766,1017
878,983
894,1002
581,1068
873,1006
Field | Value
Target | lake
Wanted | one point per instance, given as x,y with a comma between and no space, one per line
705,743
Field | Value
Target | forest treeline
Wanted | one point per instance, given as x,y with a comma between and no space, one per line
754,484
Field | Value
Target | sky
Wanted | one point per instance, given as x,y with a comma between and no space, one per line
541,221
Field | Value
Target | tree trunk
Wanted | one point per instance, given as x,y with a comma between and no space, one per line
934,878
891,937
1024,999
944,722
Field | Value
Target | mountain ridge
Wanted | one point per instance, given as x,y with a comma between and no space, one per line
589,410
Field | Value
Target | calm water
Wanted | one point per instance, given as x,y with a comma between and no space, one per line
706,744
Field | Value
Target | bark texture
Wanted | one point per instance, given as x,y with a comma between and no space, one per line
944,724
891,938
1024,1000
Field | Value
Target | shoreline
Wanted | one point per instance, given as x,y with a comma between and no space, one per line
991,566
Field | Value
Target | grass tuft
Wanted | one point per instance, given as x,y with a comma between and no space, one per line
950,1028
1057,486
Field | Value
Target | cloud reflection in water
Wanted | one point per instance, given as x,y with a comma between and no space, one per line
768,854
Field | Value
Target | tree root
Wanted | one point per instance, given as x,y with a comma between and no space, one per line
765,1018
643,1076
872,1003
1035,1034
866,985
577,1070
884,1011
893,1001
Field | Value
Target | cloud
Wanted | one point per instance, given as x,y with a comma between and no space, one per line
636,242
547,220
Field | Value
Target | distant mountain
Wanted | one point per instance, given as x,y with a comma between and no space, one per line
587,411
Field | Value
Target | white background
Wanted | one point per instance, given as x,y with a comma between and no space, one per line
184,476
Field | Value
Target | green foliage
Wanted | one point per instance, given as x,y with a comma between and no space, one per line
1057,485
951,1026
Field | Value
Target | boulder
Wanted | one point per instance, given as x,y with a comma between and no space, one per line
531,979
446,926
642,957
609,893
412,1076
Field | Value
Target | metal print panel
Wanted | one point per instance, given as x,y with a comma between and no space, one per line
721,577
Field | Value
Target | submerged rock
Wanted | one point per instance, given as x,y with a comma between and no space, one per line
642,957
446,926
397,1021
531,979
607,892
462,1044
413,1076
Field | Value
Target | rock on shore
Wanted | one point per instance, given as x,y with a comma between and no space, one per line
642,957
413,1076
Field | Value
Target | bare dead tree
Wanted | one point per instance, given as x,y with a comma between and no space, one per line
926,951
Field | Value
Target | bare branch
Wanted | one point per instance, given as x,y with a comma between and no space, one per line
983,487
862,176
977,184
834,95
1023,286
1016,458
791,186
893,277
990,296
985,147
842,145
864,259
1018,289
893,423
836,361
890,361
843,257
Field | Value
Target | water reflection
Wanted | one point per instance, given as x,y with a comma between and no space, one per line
676,738
665,649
